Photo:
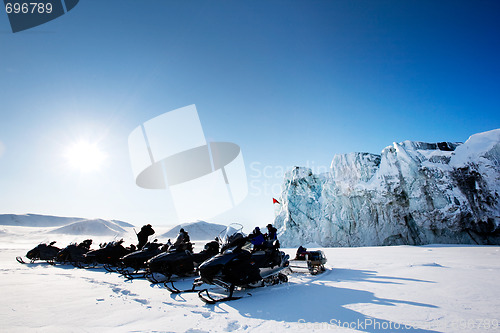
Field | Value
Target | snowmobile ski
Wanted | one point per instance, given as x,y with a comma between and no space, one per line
110,268
32,261
21,261
208,299
151,277
174,290
131,275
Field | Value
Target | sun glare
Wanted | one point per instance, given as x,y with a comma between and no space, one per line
85,156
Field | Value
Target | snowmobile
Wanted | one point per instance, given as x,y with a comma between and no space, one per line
180,261
312,261
241,265
138,260
41,252
74,253
108,255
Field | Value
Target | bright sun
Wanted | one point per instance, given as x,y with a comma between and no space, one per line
85,156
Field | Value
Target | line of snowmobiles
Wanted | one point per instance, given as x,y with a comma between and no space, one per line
80,255
231,262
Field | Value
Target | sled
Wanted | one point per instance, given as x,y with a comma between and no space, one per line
311,261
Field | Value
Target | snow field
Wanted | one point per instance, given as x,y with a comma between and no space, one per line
373,289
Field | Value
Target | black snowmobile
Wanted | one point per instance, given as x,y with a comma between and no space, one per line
180,261
138,260
74,253
43,251
108,255
240,265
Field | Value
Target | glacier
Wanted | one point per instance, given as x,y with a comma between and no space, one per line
413,193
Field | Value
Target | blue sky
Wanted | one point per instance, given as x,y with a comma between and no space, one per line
291,82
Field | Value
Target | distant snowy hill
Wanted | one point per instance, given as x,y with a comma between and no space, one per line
96,227
123,224
35,220
199,230
413,193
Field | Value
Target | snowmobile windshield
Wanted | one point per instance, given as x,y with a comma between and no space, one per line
230,234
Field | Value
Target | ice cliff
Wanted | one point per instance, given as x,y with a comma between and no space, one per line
413,193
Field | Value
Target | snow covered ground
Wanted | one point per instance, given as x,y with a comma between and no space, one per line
372,289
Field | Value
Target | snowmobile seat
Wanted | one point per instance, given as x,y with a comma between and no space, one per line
268,258
269,244
182,247
260,258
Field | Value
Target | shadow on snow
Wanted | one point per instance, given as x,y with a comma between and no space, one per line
320,305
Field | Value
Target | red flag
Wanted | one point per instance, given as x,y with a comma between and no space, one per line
275,201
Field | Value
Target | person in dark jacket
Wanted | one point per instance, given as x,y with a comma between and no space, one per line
144,234
182,238
271,233
301,253
256,238
85,244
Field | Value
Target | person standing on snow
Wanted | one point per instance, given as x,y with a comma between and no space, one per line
143,235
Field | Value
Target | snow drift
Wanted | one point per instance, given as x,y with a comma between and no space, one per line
199,230
413,193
